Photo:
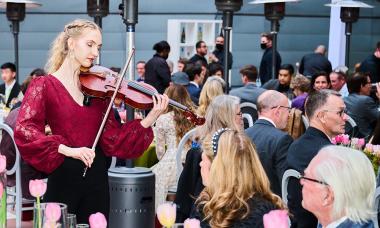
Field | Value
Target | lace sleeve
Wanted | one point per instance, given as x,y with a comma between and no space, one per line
36,148
125,141
159,136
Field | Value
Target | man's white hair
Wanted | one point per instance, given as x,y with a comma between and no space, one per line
350,175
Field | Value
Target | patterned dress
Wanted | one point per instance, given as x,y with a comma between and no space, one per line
166,169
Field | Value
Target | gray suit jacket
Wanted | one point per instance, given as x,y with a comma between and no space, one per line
364,111
248,93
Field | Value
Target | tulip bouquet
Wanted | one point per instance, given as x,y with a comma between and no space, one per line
371,151
37,189
166,214
3,195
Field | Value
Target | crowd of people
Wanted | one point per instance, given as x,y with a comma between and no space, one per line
231,174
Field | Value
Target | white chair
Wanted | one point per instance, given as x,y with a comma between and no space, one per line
305,121
377,200
248,118
180,147
249,108
284,183
19,201
248,104
113,162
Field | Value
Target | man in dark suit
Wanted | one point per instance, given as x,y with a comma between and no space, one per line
325,110
271,143
249,92
10,89
266,61
360,106
315,62
372,64
194,71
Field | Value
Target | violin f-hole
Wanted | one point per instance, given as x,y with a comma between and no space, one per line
109,86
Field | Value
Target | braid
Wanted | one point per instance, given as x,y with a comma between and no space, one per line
59,48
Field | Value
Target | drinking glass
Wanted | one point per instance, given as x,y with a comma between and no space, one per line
71,220
42,214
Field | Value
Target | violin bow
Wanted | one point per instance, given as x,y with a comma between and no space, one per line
118,84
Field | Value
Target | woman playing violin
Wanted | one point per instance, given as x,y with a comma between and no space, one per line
57,100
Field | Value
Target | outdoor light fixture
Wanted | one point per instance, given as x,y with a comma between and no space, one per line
349,13
228,7
274,11
98,9
15,10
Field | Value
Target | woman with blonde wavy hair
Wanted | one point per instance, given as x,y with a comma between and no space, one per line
237,191
168,131
213,87
57,100
223,112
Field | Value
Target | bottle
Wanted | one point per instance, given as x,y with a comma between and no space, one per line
183,36
200,33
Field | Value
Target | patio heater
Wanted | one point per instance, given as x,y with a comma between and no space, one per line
15,10
228,7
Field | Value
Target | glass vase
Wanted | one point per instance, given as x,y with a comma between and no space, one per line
40,216
3,209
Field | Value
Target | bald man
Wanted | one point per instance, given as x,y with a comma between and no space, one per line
271,143
315,62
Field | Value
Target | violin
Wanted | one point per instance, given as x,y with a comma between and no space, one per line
101,82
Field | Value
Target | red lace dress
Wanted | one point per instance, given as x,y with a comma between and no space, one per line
48,102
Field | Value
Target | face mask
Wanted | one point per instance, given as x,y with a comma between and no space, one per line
263,46
219,47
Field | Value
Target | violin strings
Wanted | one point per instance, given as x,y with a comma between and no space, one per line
141,88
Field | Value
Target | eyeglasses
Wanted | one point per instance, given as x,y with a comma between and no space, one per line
203,46
280,106
340,113
302,176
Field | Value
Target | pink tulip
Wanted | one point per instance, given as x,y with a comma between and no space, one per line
98,220
166,214
338,139
369,148
192,223
376,149
52,212
37,188
276,219
3,163
361,142
346,140
333,141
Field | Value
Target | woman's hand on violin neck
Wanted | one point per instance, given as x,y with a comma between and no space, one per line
86,155
160,104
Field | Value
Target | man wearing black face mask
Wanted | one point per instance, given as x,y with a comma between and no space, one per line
265,72
217,55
